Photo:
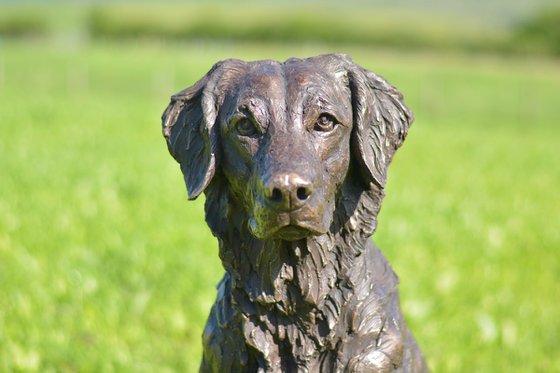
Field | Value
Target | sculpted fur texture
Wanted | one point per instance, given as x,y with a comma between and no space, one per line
292,158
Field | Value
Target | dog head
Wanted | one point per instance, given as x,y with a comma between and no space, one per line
283,136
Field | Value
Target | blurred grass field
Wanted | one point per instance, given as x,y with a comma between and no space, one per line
522,27
106,267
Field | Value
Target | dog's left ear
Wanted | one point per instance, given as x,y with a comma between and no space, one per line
381,122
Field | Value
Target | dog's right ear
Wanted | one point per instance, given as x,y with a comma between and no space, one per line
188,126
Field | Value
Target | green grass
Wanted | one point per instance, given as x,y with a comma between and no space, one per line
520,27
359,24
510,29
105,266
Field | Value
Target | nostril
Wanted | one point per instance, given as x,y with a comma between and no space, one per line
303,193
286,191
276,195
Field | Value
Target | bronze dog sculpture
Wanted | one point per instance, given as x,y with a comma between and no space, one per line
292,158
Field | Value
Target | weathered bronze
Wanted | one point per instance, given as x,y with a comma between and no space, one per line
293,158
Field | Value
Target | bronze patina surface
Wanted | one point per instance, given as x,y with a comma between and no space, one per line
292,157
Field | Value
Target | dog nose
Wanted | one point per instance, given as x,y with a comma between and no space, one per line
288,191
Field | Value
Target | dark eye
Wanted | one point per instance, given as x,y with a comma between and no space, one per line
246,127
325,123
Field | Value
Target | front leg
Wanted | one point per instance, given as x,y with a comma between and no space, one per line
383,354
378,338
223,342
388,349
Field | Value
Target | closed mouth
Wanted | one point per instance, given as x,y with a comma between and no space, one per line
296,230
290,226
292,233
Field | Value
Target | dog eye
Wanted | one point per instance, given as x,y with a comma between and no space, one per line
246,127
325,123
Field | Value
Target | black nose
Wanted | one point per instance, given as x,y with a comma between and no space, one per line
288,191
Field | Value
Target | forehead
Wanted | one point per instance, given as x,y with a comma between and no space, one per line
290,80
308,72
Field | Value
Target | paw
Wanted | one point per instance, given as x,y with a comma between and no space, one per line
372,362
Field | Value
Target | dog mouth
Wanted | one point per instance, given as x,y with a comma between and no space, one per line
294,232
285,227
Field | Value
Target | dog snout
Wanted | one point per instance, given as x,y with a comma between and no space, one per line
288,191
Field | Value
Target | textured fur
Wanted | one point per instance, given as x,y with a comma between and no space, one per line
322,302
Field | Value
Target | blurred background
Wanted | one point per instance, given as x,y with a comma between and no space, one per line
106,267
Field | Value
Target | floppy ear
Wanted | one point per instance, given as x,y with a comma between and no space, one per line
188,127
381,122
